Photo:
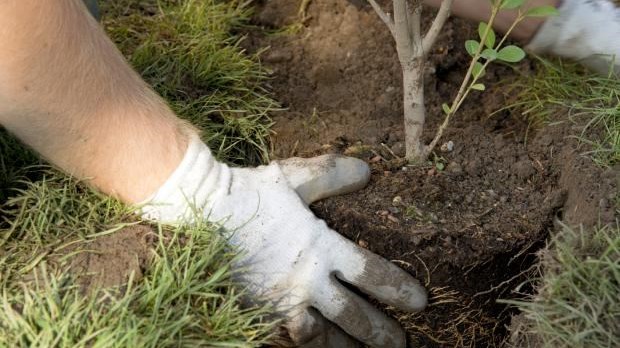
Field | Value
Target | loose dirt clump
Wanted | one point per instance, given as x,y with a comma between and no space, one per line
110,260
468,223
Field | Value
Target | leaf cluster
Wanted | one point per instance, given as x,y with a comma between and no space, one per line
488,48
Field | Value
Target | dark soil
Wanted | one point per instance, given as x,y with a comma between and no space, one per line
468,223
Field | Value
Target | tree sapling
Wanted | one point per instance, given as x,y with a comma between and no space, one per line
412,49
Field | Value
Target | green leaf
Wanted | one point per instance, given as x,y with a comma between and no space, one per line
511,4
542,11
490,40
478,87
511,54
446,108
472,47
489,54
440,166
478,70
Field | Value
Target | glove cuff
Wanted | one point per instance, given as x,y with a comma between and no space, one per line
584,30
196,182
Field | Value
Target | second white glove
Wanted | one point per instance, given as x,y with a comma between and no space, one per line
584,30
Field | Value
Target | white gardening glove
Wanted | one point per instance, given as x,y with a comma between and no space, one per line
585,30
289,257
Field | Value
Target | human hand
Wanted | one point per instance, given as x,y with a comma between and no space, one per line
292,259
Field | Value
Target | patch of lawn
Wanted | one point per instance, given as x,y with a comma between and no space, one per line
186,297
559,87
576,304
187,51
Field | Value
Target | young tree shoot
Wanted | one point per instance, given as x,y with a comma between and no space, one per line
412,48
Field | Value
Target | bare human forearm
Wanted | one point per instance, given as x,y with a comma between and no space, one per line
66,91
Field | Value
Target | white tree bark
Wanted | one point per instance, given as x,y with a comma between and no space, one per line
412,50
411,57
414,111
433,32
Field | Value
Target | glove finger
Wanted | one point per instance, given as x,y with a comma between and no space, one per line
379,278
324,176
334,337
357,317
309,329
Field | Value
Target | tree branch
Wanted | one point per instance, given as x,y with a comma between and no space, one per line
438,22
385,17
463,90
404,44
415,19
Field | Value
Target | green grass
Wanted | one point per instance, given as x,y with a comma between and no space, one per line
186,298
576,304
186,50
588,99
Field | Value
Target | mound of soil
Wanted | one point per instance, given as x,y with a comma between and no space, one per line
108,261
468,224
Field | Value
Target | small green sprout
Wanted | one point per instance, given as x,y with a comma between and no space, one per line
492,50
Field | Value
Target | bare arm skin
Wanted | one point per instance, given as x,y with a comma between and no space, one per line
66,91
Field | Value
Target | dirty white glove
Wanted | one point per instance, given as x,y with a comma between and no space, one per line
585,30
290,257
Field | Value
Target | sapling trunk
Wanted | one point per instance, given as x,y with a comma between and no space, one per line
411,56
414,110
412,49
